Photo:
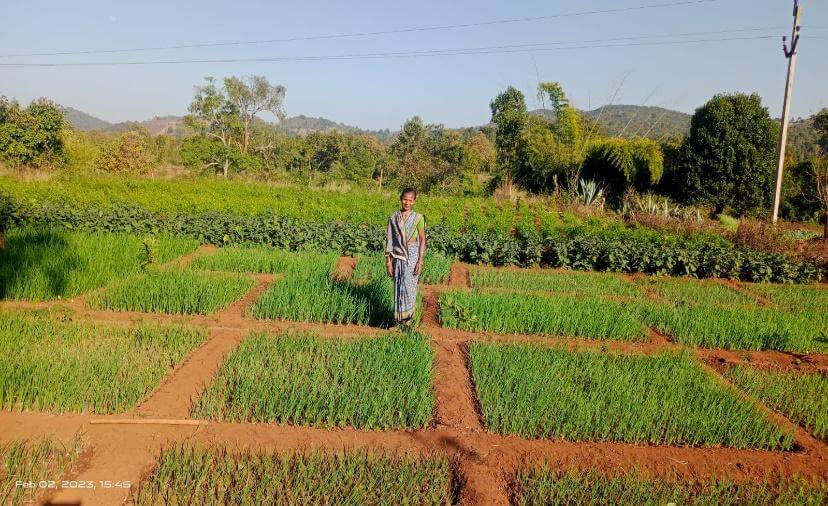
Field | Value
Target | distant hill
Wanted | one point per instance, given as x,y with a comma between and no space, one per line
631,120
84,121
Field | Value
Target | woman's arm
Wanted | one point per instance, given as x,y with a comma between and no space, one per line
421,231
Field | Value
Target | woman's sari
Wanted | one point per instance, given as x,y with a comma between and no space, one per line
405,258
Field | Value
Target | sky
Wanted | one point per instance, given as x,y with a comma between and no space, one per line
381,93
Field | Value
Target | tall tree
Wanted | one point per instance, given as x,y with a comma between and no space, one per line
509,116
251,95
729,158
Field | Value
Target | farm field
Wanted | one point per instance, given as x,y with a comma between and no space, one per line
377,383
594,396
215,476
299,392
51,364
46,263
38,459
542,485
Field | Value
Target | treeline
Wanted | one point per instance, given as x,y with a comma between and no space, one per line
726,164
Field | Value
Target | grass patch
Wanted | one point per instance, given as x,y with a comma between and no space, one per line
592,317
195,475
590,396
52,365
691,291
376,383
174,292
578,283
310,293
542,485
34,461
436,268
737,328
260,259
803,298
801,397
42,263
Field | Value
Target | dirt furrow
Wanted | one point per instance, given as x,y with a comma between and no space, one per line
431,307
344,268
459,275
174,398
234,314
453,387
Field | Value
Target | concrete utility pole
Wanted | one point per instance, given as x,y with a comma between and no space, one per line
786,105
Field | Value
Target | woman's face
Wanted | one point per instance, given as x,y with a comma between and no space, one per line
407,201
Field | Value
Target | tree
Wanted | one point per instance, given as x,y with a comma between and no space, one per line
619,164
509,116
729,157
127,154
30,136
819,167
250,96
226,115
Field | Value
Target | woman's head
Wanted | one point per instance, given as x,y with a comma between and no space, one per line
407,198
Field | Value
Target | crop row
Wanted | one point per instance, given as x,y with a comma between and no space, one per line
609,306
583,246
386,382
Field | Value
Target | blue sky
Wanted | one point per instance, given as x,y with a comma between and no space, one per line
382,93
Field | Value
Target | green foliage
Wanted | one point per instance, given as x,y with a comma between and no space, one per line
34,460
621,164
568,282
194,475
596,246
800,197
174,292
667,399
739,328
545,485
309,292
30,136
127,154
45,263
584,316
50,364
509,116
371,383
802,397
690,291
728,159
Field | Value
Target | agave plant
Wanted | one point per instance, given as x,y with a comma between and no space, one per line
590,193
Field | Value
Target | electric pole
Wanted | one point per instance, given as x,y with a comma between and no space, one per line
786,104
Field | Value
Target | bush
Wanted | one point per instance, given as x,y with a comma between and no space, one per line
621,164
127,154
602,248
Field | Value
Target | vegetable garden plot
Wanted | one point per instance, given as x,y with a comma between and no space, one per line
196,475
592,317
174,292
801,397
591,396
261,259
806,299
51,365
44,263
310,293
543,485
32,461
693,291
579,283
372,383
738,328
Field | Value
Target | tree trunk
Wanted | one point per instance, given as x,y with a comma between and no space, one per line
226,166
245,136
382,170
825,227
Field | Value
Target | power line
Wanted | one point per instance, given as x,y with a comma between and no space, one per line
516,48
367,34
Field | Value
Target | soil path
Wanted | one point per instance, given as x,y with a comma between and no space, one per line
176,395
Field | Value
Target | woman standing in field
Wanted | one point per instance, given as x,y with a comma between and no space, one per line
404,253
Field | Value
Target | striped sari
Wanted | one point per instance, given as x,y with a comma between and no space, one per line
405,258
